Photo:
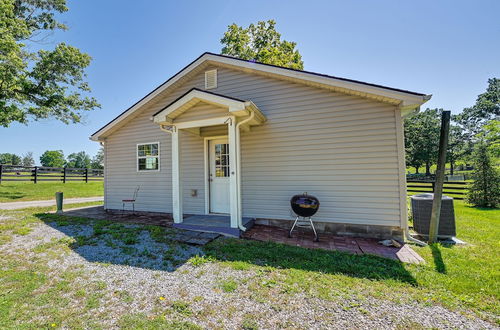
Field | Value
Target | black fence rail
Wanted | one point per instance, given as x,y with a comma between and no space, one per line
455,189
42,173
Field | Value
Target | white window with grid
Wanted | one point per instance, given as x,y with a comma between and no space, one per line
148,157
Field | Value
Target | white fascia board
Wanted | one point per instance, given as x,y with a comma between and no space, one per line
145,100
221,101
409,100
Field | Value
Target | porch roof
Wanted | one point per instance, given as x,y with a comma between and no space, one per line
235,107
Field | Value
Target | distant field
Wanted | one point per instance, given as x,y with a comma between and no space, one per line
29,191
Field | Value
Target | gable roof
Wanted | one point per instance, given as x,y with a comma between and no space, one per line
193,96
407,100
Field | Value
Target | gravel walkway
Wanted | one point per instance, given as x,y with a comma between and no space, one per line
50,202
149,286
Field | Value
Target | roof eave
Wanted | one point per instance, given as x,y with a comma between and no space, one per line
408,99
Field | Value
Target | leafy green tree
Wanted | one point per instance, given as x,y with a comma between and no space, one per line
6,159
79,160
262,43
28,159
10,159
52,158
491,134
98,160
422,138
456,143
474,119
45,83
16,160
485,189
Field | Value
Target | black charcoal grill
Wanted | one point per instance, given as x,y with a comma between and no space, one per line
304,206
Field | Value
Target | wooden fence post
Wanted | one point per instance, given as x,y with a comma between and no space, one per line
36,174
64,174
86,175
438,187
1,170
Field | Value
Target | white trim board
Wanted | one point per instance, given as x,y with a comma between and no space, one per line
406,100
206,168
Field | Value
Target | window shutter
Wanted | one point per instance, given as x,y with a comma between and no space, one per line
211,79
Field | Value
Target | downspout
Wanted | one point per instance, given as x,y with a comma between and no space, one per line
101,143
238,168
406,229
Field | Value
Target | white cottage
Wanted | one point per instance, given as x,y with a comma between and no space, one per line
232,140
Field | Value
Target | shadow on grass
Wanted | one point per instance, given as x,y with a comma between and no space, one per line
439,264
154,247
315,260
11,195
115,243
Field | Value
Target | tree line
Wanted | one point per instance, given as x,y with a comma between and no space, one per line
474,126
55,158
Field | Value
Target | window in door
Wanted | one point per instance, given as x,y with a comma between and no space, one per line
222,160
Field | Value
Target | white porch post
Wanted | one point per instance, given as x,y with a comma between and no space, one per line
233,180
176,178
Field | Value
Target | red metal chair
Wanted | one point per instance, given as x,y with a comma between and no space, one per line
131,201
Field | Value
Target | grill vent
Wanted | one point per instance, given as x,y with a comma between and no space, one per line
211,79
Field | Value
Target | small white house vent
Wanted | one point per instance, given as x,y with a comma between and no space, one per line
211,79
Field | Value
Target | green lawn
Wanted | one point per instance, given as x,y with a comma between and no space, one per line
461,278
29,191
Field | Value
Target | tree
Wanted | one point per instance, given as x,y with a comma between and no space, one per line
28,159
485,189
422,138
491,134
456,145
79,160
98,160
474,119
52,158
262,43
16,160
10,159
45,83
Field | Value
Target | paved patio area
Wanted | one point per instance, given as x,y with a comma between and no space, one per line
98,212
305,238
300,237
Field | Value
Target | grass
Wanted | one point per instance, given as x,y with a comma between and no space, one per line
463,278
28,191
457,277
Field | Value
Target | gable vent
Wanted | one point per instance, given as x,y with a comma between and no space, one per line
211,79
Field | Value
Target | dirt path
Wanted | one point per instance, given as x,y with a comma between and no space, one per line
22,205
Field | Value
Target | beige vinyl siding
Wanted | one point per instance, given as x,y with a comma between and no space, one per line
338,147
201,110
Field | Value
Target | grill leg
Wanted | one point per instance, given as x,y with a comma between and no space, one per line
294,223
316,239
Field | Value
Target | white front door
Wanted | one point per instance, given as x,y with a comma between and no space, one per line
218,175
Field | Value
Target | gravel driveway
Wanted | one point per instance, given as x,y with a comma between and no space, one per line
146,277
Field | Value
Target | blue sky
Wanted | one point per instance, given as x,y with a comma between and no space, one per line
445,48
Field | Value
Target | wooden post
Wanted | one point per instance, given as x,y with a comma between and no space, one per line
1,170
36,174
438,186
86,175
64,174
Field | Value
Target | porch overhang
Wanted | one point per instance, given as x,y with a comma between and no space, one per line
236,108
236,114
